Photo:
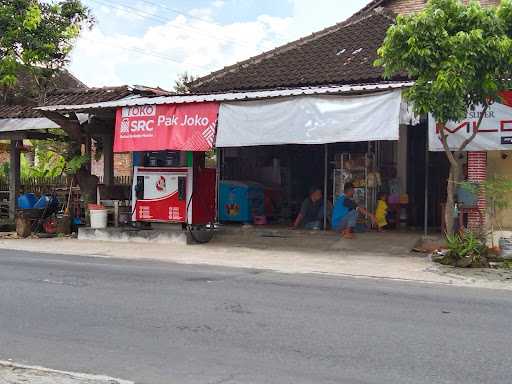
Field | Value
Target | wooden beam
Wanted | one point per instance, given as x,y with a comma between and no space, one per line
14,176
70,125
108,160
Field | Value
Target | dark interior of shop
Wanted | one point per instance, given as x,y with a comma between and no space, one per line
280,177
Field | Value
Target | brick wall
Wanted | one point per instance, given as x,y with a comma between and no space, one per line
411,6
405,6
122,164
489,2
5,157
477,172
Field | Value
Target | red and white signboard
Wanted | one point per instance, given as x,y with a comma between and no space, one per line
494,134
184,127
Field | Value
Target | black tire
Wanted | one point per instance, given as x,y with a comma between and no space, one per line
201,234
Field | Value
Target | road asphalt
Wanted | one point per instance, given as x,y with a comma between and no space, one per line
156,322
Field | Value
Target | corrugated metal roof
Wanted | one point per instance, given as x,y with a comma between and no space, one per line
32,123
233,96
26,124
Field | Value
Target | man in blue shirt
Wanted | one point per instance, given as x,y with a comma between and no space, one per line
344,214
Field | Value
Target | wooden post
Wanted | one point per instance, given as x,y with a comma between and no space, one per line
14,177
88,146
427,170
326,179
108,160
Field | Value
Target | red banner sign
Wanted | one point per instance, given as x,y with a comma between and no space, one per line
185,127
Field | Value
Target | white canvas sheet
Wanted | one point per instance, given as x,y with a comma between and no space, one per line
309,120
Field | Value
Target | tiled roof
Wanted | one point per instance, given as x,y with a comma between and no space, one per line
342,54
18,112
87,95
79,96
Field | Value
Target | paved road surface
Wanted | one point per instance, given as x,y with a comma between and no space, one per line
165,323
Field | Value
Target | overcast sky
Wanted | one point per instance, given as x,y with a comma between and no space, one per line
149,42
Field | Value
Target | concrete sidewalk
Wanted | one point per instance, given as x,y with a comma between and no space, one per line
11,373
372,255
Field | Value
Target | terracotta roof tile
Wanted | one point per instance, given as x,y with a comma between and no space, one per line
18,112
78,96
87,95
341,54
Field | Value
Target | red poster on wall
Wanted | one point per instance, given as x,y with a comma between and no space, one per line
184,127
506,98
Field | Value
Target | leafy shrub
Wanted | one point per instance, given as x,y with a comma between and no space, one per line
466,249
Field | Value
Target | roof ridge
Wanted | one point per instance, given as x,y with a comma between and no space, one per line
288,46
59,91
368,7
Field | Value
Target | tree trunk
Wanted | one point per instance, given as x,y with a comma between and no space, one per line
450,198
453,159
453,179
88,186
88,183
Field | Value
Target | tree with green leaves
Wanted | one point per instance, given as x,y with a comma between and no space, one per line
36,38
460,58
181,84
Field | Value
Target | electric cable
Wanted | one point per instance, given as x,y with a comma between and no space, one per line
148,15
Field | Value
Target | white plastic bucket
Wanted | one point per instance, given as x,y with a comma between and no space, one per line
98,218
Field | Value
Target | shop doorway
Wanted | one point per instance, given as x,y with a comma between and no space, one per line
278,178
275,180
416,179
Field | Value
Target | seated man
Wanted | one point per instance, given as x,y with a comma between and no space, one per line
311,211
344,216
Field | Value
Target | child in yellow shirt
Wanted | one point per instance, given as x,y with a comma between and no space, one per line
382,211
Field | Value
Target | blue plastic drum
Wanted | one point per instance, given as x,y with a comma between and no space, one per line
27,201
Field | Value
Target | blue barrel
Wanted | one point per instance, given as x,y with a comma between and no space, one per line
27,201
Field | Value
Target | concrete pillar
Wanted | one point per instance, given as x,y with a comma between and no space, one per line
14,176
108,160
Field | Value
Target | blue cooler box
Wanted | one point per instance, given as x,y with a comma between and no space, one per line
240,201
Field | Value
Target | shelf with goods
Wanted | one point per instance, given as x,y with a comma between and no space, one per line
351,168
358,169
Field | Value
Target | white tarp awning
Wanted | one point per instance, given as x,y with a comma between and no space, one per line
310,120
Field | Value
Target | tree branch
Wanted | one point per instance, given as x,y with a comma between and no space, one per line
466,142
444,140
70,125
